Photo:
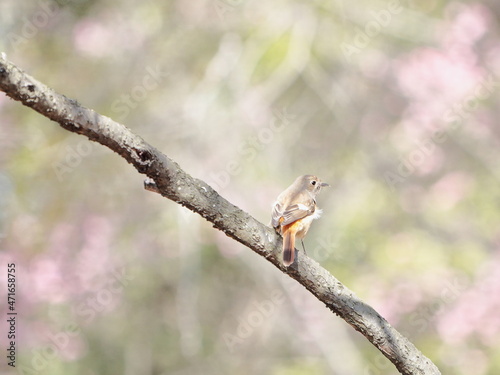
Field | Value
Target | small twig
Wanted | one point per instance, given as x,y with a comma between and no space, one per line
150,185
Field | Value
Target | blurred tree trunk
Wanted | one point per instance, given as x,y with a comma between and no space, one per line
169,180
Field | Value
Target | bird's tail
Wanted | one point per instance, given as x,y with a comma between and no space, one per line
288,247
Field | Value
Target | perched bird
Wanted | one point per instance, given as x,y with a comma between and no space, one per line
294,211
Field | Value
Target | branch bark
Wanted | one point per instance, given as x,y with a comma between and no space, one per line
175,184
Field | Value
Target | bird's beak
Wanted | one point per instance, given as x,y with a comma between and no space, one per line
324,184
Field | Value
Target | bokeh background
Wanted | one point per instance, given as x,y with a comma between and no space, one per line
394,103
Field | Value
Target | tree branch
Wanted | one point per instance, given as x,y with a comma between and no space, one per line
172,182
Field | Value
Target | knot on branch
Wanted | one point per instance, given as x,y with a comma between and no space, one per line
143,155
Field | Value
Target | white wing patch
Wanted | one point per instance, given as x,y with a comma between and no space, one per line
303,207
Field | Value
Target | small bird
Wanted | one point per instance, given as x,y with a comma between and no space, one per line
294,211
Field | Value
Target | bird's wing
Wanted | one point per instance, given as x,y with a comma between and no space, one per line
296,212
276,214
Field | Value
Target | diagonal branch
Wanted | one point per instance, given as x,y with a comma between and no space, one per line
171,181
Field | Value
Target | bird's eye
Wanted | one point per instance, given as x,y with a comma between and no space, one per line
313,182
